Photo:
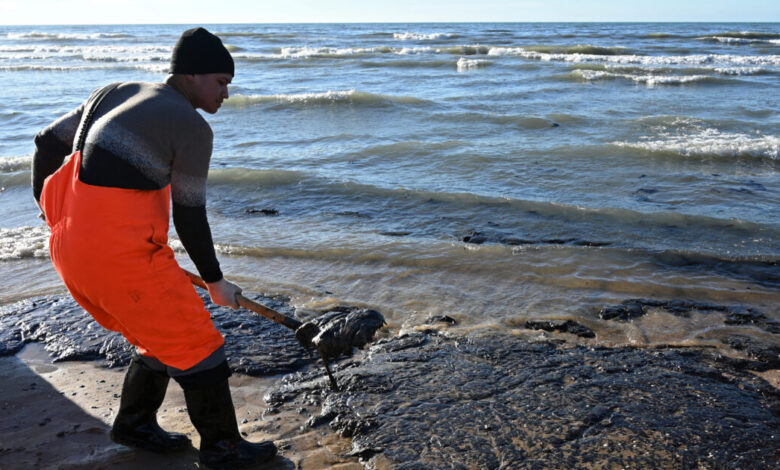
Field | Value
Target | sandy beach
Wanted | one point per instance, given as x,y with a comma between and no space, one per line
58,416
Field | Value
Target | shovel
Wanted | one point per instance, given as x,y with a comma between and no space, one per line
331,335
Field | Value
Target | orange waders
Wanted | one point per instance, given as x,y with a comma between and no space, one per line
110,247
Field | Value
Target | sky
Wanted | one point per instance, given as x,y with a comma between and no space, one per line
39,12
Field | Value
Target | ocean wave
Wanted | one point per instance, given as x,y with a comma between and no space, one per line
305,52
524,122
743,71
351,97
650,80
328,52
254,34
747,35
737,40
66,36
430,216
709,142
154,68
579,49
254,177
639,69
472,49
665,122
465,64
438,257
407,64
24,242
13,164
90,53
24,48
436,204
722,60
423,36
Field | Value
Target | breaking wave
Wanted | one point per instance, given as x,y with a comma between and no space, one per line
579,49
153,68
739,40
721,60
465,64
13,164
647,79
351,97
709,142
333,52
423,36
639,69
66,36
24,242
747,35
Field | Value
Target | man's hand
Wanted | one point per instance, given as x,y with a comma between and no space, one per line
41,215
224,292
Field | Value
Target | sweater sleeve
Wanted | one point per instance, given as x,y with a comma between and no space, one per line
188,192
192,225
52,145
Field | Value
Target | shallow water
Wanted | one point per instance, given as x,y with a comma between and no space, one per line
491,172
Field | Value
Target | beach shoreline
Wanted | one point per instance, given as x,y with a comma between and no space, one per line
56,414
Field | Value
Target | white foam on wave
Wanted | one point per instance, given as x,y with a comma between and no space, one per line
65,36
741,70
465,64
619,68
51,55
335,52
24,242
125,54
10,164
739,40
305,52
327,97
154,68
722,60
710,142
421,36
301,98
646,79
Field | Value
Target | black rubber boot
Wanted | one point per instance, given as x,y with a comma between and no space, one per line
136,423
221,445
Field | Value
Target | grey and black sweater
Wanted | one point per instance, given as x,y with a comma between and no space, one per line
143,136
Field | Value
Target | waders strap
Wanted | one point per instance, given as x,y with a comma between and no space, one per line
89,114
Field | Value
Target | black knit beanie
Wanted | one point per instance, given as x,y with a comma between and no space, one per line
198,51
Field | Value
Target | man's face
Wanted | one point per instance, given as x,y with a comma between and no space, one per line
209,90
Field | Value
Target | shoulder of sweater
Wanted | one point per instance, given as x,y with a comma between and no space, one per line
170,106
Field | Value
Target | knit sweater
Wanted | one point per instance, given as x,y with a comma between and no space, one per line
143,136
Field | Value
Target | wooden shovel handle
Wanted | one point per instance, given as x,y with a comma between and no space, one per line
249,304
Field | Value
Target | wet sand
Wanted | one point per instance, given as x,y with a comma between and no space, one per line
58,416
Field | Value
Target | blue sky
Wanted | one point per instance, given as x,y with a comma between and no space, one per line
276,11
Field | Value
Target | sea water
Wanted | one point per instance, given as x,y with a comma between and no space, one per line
490,172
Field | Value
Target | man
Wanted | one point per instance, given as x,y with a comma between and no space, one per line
137,147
